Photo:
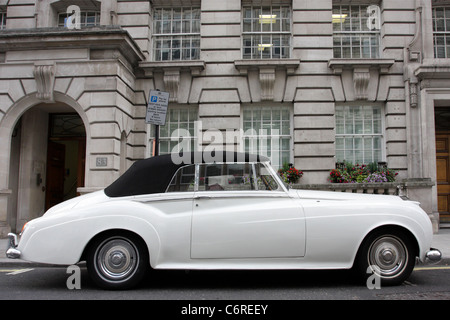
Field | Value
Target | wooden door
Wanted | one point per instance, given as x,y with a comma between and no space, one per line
443,175
55,174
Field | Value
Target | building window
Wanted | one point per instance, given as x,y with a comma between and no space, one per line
87,18
356,31
267,132
2,19
178,134
176,34
441,32
184,180
266,32
359,134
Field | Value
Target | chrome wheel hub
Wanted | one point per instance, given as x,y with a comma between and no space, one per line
116,259
388,256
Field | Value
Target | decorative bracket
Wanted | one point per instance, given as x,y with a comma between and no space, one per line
44,74
170,72
267,73
362,73
361,78
267,80
171,83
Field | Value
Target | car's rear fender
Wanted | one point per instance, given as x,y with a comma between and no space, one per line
62,239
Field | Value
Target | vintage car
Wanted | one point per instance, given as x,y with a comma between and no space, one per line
224,210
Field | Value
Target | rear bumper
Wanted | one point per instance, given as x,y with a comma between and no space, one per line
11,250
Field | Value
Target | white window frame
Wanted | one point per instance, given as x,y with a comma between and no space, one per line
363,134
261,45
441,32
167,41
258,137
349,32
166,131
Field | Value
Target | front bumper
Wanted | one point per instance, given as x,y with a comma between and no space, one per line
433,255
11,250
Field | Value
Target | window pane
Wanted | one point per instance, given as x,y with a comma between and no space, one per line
223,177
180,121
358,134
264,179
174,22
350,24
265,31
441,31
183,180
272,128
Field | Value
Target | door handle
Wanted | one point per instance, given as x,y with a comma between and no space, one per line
202,198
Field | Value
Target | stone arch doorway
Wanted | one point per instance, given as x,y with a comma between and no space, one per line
47,151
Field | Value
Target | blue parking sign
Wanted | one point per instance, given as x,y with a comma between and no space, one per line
157,107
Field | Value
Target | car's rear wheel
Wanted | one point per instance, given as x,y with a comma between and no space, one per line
117,261
388,255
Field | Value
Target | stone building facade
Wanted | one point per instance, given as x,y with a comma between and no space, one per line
321,81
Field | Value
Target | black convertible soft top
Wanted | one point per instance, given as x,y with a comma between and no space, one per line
153,175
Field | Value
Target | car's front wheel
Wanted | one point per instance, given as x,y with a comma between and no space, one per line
117,261
388,255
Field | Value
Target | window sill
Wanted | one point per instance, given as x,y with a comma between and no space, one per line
338,65
290,65
194,66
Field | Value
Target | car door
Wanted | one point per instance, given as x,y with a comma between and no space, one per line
240,211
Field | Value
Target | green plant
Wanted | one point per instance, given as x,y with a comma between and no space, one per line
289,174
349,173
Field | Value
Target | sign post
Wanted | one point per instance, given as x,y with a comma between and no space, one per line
158,103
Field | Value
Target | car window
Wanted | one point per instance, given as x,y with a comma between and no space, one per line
183,180
219,177
265,179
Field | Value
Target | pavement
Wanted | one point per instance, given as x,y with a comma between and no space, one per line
441,241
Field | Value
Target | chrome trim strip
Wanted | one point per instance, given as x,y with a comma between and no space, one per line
214,195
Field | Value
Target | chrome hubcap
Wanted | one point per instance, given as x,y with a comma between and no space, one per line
388,256
116,259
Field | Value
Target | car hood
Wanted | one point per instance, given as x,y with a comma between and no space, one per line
77,202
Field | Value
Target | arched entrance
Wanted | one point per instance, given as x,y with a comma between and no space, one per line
46,156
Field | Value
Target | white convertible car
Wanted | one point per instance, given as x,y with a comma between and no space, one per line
224,211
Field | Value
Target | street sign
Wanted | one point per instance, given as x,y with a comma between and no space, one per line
157,108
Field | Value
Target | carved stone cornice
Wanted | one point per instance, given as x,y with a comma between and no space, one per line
44,74
437,70
93,38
